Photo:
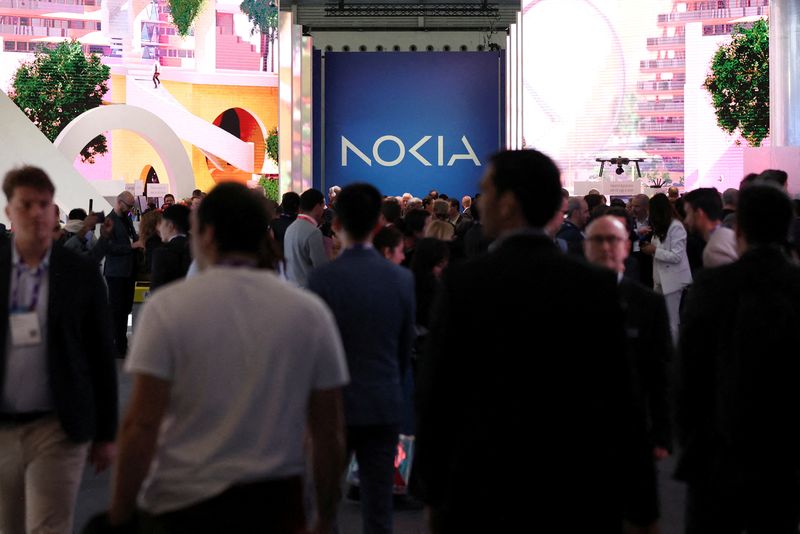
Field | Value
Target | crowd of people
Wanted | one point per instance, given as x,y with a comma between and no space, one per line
546,351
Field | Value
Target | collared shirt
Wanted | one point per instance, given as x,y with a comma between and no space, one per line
176,235
26,385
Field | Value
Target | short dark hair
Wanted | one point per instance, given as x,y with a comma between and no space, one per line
593,201
706,199
454,203
290,202
387,237
27,176
178,215
77,214
197,193
415,221
764,215
358,207
238,216
169,195
312,198
533,178
774,175
391,210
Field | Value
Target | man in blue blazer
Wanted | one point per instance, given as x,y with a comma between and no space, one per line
58,382
373,302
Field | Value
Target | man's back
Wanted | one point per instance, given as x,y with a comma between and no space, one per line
303,249
738,398
170,261
512,378
240,381
280,224
373,302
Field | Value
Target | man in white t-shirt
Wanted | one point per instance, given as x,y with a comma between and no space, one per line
213,440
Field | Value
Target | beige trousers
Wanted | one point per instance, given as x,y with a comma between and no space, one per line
40,473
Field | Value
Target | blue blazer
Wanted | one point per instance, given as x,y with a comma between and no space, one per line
80,353
373,303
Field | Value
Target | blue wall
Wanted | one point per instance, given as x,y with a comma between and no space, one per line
408,95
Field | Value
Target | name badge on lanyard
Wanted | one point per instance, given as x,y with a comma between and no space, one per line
24,321
25,330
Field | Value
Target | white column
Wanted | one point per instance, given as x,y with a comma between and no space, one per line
784,72
205,38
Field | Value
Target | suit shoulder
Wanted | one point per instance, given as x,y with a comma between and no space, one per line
69,259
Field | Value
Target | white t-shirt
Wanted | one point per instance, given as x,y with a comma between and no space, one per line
243,351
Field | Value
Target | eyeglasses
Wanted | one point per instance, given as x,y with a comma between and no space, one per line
129,206
600,239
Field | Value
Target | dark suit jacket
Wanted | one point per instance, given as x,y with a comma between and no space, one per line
280,225
170,262
81,365
737,397
120,257
373,302
650,342
573,236
526,412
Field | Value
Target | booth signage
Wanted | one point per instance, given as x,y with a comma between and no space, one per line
411,122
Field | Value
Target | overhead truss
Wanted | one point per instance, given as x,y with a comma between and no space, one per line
482,9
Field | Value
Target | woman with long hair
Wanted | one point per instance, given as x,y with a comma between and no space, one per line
671,271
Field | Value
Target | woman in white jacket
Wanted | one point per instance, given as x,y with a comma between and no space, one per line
671,272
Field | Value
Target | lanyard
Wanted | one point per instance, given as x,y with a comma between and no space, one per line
308,219
37,285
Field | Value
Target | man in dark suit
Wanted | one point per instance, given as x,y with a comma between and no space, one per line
490,379
373,303
118,246
737,395
58,384
290,204
571,229
646,324
172,260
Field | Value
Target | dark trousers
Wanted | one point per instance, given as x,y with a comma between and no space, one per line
755,507
267,507
375,447
120,298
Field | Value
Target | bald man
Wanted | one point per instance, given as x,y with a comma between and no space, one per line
647,326
119,246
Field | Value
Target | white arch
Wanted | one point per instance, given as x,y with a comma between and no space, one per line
149,126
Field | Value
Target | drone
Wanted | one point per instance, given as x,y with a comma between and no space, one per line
619,161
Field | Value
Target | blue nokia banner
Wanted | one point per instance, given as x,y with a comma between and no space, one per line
411,122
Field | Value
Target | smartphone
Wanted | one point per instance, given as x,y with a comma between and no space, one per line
101,216
91,203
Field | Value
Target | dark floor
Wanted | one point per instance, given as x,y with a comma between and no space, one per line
94,496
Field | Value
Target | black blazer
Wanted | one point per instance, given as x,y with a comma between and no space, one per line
80,353
737,395
650,342
170,262
526,384
120,256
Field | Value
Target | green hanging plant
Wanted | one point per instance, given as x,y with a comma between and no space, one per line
272,145
270,187
184,12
